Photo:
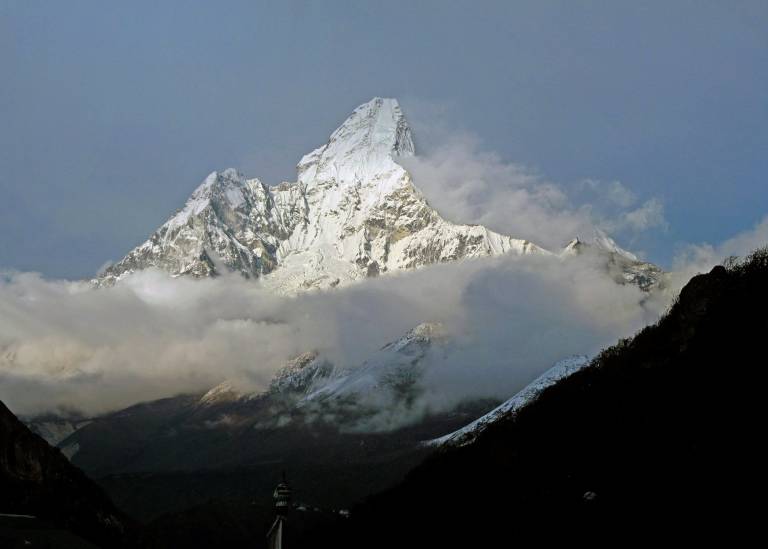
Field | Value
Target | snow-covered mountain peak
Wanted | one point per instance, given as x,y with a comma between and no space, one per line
423,334
355,171
378,126
362,149
226,189
625,267
605,242
354,212
600,241
572,248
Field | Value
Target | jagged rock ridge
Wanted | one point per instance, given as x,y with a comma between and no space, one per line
353,213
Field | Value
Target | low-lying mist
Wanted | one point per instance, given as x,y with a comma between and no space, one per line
68,345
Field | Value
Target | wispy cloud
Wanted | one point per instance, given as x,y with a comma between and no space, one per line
469,185
697,258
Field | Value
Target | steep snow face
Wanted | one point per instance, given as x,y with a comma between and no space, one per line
353,213
561,370
361,150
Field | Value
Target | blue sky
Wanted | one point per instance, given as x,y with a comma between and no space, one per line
110,114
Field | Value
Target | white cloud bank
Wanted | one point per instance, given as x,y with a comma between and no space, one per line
65,344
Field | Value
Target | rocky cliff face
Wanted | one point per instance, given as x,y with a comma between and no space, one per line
353,213
37,480
229,222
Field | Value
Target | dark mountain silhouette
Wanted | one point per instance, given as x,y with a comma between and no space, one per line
37,481
659,434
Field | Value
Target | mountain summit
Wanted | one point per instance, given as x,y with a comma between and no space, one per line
362,148
353,213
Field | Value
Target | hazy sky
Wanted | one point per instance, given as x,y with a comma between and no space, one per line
111,114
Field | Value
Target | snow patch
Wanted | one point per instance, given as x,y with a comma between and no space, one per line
223,392
468,434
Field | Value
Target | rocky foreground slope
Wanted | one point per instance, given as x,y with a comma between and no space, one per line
658,435
37,483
